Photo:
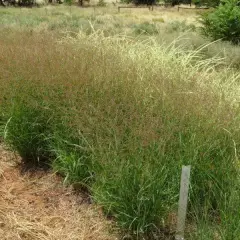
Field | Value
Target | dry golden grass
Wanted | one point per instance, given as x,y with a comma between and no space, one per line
55,14
37,206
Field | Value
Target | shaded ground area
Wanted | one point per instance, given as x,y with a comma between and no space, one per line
37,206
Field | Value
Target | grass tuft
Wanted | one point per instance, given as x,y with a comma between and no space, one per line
121,115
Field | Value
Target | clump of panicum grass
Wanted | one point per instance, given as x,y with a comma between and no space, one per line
72,156
146,28
27,124
180,26
26,132
124,115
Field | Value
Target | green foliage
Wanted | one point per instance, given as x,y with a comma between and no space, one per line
72,156
175,2
101,3
176,26
126,1
26,2
2,127
223,23
69,2
208,3
131,190
26,131
145,28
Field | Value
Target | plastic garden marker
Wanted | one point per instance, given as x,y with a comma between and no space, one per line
183,199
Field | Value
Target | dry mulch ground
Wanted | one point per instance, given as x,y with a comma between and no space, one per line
36,205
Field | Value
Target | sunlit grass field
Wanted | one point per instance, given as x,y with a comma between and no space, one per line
117,103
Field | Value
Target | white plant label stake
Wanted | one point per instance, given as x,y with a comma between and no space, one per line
183,199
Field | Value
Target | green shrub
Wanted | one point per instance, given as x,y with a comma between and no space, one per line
26,2
126,1
69,2
209,3
175,2
223,23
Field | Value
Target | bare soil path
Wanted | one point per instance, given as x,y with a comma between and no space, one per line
36,206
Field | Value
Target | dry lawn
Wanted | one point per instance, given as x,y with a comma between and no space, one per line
37,206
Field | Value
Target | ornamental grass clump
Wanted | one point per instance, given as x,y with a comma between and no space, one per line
119,116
